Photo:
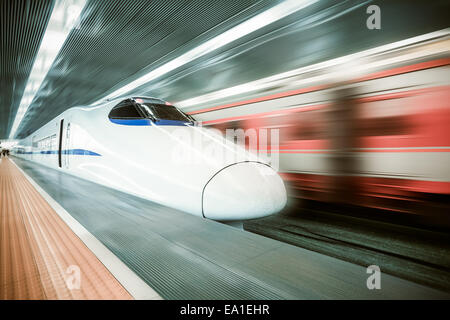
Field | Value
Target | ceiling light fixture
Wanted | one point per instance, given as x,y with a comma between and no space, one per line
259,21
346,66
64,17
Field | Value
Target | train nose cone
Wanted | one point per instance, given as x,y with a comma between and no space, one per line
246,190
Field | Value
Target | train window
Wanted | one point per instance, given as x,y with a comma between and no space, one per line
307,125
125,110
384,126
164,112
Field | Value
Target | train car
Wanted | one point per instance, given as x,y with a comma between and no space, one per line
379,138
149,148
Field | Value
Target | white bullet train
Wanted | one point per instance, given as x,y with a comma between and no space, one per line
149,148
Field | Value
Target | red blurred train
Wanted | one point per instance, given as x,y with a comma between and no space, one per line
370,129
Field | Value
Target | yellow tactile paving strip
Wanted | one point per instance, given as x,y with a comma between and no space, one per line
39,253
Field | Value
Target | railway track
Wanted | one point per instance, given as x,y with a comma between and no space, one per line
409,252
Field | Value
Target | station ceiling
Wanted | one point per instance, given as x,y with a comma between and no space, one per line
118,41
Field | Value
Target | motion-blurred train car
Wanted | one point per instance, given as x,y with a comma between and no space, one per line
371,129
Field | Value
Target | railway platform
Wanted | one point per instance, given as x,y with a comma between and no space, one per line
40,256
177,255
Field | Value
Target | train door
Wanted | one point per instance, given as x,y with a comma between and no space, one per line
60,146
343,160
67,146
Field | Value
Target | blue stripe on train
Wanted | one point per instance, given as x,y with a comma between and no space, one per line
147,122
132,122
79,152
163,122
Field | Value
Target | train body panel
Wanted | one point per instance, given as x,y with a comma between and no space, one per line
145,160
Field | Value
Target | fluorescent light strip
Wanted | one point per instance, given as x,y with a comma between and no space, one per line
259,21
346,62
7,143
64,17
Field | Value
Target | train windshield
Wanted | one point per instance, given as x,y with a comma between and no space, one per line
165,112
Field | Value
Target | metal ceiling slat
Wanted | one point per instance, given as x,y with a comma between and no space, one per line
116,40
23,23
